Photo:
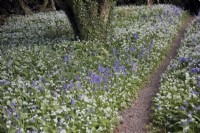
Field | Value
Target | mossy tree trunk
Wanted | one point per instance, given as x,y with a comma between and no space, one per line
26,9
44,6
89,18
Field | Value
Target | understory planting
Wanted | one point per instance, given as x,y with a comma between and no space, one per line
177,105
51,84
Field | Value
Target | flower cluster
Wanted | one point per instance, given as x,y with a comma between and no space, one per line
80,86
177,105
40,28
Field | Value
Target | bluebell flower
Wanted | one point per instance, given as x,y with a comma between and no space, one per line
195,70
18,116
34,83
182,108
194,92
190,113
136,36
95,78
66,58
73,102
80,97
114,51
174,66
42,79
78,77
101,69
135,66
189,120
132,49
79,86
8,112
93,110
71,84
117,63
183,59
4,82
34,107
19,131
65,86
150,44
197,108
199,84
39,88
186,103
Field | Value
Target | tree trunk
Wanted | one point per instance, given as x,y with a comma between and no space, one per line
89,18
25,8
150,2
44,6
52,5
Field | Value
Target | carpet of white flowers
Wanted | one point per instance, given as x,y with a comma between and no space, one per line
177,105
77,86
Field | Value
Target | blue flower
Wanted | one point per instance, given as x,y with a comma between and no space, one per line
71,84
189,120
79,86
151,44
197,108
101,69
42,79
73,102
8,112
135,66
93,110
95,78
66,58
114,51
182,108
186,103
136,36
65,86
132,49
78,77
34,83
194,92
174,66
183,59
199,84
4,82
195,70
80,97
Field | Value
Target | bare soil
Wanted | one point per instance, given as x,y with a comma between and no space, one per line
137,117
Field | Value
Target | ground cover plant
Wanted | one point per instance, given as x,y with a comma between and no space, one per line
77,86
177,105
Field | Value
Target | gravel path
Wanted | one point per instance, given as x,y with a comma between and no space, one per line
136,118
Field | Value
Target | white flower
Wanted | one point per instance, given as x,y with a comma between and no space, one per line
63,131
185,129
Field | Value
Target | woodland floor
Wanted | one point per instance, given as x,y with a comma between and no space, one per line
139,114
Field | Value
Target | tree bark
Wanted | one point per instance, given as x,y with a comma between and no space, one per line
89,19
150,2
44,6
52,5
25,8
